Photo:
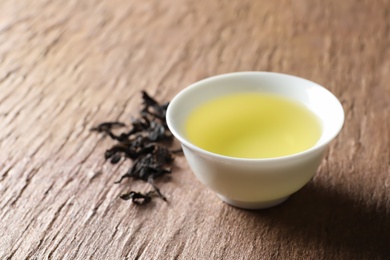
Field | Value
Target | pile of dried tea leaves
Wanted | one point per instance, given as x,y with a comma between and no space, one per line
146,144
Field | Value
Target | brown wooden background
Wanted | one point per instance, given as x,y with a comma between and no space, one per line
68,65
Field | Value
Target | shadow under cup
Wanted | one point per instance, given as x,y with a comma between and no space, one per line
255,183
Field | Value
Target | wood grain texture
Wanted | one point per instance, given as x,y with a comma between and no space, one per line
68,65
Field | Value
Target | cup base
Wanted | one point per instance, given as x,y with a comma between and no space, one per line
253,205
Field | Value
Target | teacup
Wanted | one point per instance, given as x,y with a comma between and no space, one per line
256,183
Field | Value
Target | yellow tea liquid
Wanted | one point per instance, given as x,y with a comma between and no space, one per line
253,125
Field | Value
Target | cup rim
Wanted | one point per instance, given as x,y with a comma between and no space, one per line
185,142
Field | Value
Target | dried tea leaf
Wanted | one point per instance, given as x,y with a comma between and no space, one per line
140,144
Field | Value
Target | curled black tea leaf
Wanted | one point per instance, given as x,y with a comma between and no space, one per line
137,197
144,144
142,198
152,107
149,166
115,158
107,126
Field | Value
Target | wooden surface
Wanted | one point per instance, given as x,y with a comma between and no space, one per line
68,65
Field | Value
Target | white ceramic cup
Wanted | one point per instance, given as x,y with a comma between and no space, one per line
255,183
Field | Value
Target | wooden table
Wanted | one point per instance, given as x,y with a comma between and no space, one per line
66,66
